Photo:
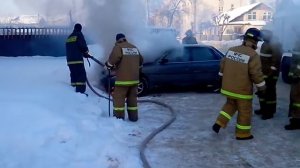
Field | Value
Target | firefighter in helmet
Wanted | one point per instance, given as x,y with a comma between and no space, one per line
126,60
76,49
270,56
294,74
239,69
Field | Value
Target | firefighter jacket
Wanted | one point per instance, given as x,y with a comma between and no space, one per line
75,48
128,61
270,56
240,68
189,40
295,62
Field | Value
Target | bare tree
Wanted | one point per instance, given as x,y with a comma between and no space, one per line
172,11
221,21
168,10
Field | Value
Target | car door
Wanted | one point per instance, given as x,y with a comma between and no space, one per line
205,63
171,68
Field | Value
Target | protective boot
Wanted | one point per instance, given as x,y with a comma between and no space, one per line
119,115
216,127
257,112
133,116
294,124
267,116
245,138
268,112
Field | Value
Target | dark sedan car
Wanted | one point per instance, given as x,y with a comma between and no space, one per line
184,66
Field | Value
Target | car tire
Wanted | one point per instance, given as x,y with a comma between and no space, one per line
285,67
143,87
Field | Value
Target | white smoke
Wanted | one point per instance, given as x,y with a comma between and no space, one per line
286,25
103,19
106,18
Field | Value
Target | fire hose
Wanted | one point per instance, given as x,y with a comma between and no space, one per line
144,143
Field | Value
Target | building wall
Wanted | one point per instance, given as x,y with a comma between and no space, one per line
260,10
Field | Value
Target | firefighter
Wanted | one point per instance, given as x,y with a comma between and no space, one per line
294,74
76,49
239,69
270,56
126,60
189,38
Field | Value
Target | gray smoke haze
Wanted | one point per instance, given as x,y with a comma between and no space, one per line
106,18
286,24
103,19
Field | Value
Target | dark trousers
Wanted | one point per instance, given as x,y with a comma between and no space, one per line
294,109
128,94
78,77
269,101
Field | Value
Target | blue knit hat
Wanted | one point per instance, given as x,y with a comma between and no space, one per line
119,36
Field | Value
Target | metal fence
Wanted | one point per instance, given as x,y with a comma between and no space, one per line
33,41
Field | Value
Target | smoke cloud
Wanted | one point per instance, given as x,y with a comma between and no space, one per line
103,19
286,25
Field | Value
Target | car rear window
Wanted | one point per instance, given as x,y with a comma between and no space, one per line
202,54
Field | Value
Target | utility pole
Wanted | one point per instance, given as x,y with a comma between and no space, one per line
148,12
195,26
221,6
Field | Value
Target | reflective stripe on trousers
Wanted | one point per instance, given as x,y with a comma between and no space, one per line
244,108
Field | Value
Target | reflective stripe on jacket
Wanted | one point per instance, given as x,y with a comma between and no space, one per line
295,61
270,56
75,48
241,67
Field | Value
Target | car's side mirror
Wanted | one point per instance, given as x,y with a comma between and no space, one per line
163,61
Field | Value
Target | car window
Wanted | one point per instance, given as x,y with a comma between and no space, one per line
202,54
177,55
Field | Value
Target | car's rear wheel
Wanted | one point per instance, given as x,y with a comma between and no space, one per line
143,87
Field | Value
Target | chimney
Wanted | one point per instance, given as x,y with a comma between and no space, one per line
232,7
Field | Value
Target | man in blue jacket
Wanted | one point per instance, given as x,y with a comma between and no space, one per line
76,49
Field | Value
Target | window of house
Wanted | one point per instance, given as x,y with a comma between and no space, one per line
238,30
267,16
252,16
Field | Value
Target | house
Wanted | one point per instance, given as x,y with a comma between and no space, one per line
35,21
233,23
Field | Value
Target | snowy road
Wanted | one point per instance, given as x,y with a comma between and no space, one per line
190,143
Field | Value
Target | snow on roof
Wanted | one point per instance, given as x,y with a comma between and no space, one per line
38,20
25,19
239,11
253,23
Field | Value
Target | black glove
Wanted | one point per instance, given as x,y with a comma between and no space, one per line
108,67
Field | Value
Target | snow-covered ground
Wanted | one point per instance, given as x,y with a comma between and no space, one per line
44,123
